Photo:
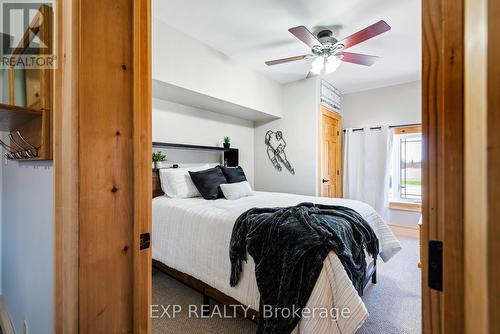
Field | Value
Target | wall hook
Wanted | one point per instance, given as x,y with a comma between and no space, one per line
23,151
11,152
32,148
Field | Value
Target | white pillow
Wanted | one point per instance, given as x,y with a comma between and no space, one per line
236,190
176,182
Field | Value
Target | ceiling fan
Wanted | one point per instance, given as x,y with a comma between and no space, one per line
329,52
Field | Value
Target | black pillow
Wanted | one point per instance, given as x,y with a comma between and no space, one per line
233,174
208,182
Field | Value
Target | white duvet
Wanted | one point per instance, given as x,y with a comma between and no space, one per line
192,236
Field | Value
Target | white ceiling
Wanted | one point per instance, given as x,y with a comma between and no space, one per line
253,31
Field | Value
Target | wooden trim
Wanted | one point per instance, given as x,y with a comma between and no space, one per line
493,176
408,130
142,174
66,168
5,322
482,172
12,92
103,103
476,168
107,184
405,231
406,206
442,132
46,86
324,111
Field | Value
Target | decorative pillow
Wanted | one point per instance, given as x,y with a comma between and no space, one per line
176,182
208,182
236,190
234,174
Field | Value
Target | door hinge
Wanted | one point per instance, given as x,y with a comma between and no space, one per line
145,241
435,265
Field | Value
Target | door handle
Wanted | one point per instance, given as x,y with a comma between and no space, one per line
324,181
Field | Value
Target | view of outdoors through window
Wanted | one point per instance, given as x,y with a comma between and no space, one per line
410,176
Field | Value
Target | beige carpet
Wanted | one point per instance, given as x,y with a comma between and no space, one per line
393,303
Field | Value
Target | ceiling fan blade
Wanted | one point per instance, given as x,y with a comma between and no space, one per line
357,58
365,34
285,60
305,36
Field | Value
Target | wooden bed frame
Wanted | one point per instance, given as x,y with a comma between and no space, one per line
208,292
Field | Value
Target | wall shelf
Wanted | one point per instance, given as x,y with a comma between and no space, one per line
192,147
168,92
231,155
12,117
30,128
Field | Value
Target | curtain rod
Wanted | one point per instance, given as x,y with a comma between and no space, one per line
390,127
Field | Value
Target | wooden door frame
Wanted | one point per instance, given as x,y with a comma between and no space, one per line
324,111
443,160
72,118
482,161
460,101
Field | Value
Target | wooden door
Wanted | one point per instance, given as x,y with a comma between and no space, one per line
331,154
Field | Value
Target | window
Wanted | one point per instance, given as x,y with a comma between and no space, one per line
406,169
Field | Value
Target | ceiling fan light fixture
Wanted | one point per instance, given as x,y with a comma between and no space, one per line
322,65
331,64
317,65
329,52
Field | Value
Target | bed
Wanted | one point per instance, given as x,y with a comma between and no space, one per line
190,241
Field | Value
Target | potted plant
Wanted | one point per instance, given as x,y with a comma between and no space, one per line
158,158
227,142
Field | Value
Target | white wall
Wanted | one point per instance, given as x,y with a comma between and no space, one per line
399,104
185,62
393,105
176,123
300,131
28,244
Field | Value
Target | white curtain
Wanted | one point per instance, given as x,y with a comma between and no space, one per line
366,161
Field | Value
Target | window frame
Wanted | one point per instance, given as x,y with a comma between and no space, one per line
396,202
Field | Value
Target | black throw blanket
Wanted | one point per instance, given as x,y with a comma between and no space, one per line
289,246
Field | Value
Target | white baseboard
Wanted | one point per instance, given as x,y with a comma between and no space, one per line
404,231
5,322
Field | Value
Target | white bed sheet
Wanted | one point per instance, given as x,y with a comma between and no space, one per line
192,236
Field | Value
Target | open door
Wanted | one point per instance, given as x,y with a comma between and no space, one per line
331,153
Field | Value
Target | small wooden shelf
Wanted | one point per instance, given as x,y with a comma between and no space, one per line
231,155
192,147
12,117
